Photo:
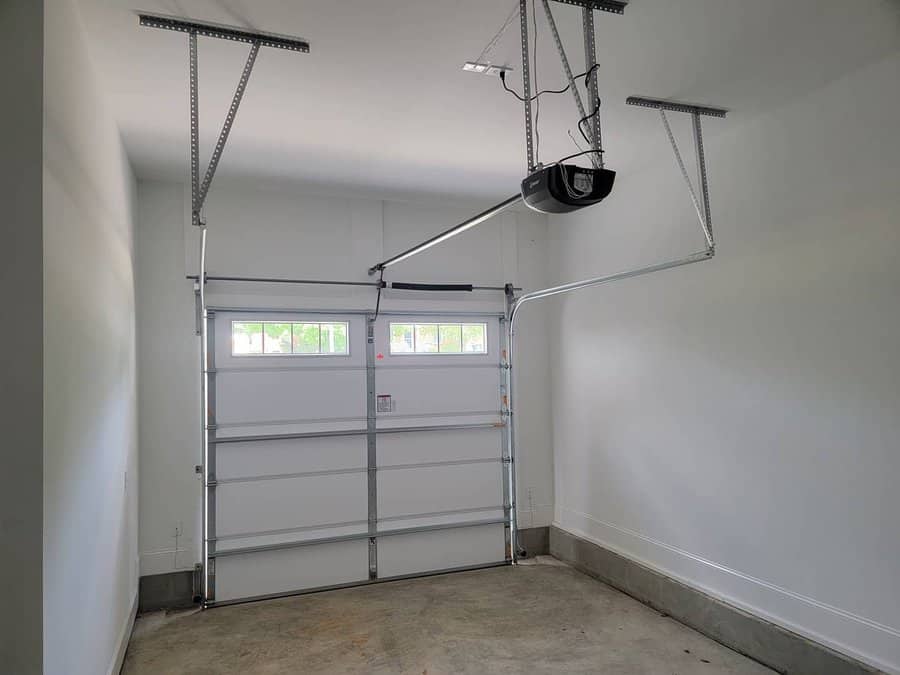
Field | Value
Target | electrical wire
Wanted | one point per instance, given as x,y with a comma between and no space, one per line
380,287
585,75
574,140
522,98
586,118
577,154
574,192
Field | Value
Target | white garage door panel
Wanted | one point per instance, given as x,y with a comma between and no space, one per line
283,571
290,396
442,549
438,446
284,503
243,460
274,492
436,390
442,488
231,543
452,518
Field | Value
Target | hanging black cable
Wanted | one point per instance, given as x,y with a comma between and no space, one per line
585,75
380,287
586,118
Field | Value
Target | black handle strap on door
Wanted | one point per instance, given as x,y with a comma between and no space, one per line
403,286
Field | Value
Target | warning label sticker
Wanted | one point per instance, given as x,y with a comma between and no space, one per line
583,182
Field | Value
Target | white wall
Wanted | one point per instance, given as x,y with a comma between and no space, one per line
281,232
736,423
90,411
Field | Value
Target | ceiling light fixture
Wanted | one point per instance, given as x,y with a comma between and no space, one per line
485,68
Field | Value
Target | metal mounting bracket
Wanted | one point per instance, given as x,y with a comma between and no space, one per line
676,106
255,39
611,6
215,30
701,203
587,17
205,328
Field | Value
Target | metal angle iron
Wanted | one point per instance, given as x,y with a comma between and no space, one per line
199,190
256,39
215,30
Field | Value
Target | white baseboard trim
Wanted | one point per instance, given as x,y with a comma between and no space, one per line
124,638
874,643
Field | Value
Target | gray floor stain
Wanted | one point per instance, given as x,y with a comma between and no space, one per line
536,618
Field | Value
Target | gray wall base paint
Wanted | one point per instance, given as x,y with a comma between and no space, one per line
757,638
174,590
535,541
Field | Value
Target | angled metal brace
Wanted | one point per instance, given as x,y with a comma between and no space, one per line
590,66
256,39
199,191
588,6
215,30
701,204
226,127
576,95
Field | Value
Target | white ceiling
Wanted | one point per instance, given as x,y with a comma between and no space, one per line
381,106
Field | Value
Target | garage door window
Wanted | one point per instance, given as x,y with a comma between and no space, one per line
271,338
438,338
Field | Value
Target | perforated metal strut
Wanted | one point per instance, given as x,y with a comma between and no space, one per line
214,30
195,131
229,121
588,6
256,39
199,191
576,95
526,83
611,6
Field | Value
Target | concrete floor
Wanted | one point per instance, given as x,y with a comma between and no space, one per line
537,618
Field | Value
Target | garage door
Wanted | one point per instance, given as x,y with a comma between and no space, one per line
344,450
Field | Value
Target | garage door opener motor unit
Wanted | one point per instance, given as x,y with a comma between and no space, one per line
560,188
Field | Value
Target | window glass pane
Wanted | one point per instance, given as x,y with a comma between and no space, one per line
306,338
473,338
426,338
401,338
334,338
277,338
450,341
246,338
